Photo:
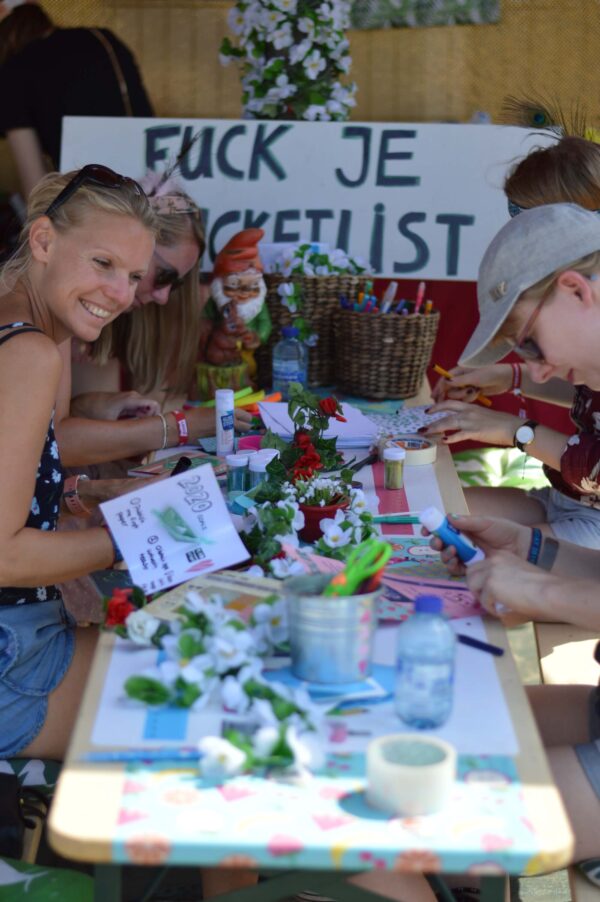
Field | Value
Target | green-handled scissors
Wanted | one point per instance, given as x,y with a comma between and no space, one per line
362,563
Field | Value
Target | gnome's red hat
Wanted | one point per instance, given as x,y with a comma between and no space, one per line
239,254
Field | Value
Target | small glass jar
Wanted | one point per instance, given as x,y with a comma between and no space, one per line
257,470
237,472
393,462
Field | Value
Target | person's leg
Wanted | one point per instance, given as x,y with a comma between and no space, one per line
561,713
398,887
216,881
512,504
63,703
580,800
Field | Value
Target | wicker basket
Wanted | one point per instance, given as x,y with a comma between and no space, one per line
320,301
383,355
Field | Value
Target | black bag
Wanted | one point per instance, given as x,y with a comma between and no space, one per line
17,807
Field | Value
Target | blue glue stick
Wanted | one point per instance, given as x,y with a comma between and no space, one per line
435,521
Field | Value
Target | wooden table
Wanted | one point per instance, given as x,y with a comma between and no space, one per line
89,798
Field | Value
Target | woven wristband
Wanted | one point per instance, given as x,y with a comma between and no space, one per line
182,427
165,435
536,544
72,499
516,381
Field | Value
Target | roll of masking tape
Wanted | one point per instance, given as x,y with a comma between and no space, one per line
409,774
419,450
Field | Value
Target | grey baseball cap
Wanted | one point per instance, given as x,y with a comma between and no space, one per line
530,247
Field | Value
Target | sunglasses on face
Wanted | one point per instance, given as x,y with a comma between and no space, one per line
94,174
168,277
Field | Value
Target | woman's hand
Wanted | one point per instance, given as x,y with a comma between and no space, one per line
103,405
492,535
513,590
470,421
468,383
202,423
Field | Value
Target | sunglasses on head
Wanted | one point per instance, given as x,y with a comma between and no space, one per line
94,174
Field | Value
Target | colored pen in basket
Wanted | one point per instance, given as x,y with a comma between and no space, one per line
161,754
477,643
420,296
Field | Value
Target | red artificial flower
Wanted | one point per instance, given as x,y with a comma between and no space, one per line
118,608
302,439
329,406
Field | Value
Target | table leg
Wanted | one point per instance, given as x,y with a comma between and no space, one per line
494,889
107,883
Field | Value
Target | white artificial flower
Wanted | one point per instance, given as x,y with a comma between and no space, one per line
282,567
141,627
282,37
231,648
307,25
262,711
358,501
328,523
264,741
336,537
255,571
233,696
312,340
236,20
307,749
224,59
220,758
299,51
270,18
274,618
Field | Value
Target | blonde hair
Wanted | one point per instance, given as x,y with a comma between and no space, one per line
88,198
159,344
543,289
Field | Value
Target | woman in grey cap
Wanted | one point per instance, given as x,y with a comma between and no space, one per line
569,508
539,294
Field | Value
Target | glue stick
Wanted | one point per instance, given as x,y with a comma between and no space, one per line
224,414
435,521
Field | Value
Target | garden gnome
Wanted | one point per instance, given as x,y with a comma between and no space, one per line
237,303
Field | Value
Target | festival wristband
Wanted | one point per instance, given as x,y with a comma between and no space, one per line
182,427
516,380
548,553
118,557
163,420
536,544
72,499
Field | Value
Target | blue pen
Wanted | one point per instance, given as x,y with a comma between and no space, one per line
400,306
129,755
344,303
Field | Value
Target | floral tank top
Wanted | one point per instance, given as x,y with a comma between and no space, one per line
43,513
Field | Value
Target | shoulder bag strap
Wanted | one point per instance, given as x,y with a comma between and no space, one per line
117,70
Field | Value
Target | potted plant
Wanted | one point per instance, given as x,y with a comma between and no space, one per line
309,494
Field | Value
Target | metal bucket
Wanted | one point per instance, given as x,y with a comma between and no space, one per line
331,638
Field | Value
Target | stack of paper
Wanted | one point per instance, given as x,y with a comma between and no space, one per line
357,432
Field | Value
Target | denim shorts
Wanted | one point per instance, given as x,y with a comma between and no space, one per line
569,519
37,642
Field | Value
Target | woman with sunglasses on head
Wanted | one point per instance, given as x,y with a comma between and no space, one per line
86,244
568,171
152,349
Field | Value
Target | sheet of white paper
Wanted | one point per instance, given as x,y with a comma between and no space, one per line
174,529
480,722
406,421
358,432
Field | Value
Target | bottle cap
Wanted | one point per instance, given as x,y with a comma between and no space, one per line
431,518
428,604
258,464
289,332
268,453
394,453
236,460
224,395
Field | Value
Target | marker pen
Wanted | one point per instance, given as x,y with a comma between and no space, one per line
435,521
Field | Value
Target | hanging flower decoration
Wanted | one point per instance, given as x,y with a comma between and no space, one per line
292,56
210,654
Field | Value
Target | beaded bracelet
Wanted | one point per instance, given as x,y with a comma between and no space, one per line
536,544
516,381
182,427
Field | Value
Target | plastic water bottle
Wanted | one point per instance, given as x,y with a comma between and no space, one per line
289,361
425,666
